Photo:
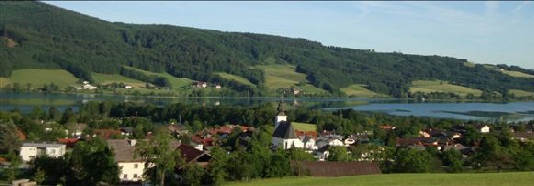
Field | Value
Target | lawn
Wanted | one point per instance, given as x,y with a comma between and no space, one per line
441,86
467,179
521,93
176,83
304,126
281,76
105,79
37,78
360,91
516,74
284,76
239,79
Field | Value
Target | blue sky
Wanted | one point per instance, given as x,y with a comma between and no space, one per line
480,31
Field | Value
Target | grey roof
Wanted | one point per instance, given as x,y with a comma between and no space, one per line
285,130
51,144
124,152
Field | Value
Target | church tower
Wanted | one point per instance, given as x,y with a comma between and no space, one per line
281,115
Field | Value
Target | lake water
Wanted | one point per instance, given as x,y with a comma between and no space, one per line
514,111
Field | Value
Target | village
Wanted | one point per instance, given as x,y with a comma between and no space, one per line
323,145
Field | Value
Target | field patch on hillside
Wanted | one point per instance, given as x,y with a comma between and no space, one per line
37,78
284,76
176,83
466,179
239,79
516,74
521,93
360,91
442,86
105,79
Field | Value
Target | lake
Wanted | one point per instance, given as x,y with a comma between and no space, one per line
513,111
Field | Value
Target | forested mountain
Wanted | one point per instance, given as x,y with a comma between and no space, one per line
38,35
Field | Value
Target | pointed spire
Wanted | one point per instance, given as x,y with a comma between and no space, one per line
281,109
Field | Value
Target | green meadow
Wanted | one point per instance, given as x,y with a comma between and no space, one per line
239,79
361,91
176,83
516,74
466,179
105,79
37,78
442,86
284,76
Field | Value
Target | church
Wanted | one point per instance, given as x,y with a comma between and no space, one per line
286,136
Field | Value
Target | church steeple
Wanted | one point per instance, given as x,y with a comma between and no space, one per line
281,115
281,109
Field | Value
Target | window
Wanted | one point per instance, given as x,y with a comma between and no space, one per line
125,176
135,166
135,175
120,167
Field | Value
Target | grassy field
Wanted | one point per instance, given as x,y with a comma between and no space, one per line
521,93
284,76
441,86
516,74
360,91
236,78
37,78
467,179
469,64
304,126
105,79
177,83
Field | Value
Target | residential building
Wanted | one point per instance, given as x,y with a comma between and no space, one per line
28,151
131,169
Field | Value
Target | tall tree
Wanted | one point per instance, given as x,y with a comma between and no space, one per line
93,162
9,139
158,151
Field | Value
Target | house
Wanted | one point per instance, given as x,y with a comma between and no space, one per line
28,151
131,169
69,142
218,86
295,91
128,87
328,141
106,133
416,141
194,155
200,84
333,169
127,131
387,127
482,128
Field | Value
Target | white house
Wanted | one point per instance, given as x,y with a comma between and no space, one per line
28,151
483,128
334,142
131,169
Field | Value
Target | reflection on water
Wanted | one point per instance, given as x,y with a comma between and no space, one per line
516,111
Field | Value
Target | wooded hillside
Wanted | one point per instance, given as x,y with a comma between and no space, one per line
38,35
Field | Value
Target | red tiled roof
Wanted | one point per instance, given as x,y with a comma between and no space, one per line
331,168
190,153
70,142
106,133
306,133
